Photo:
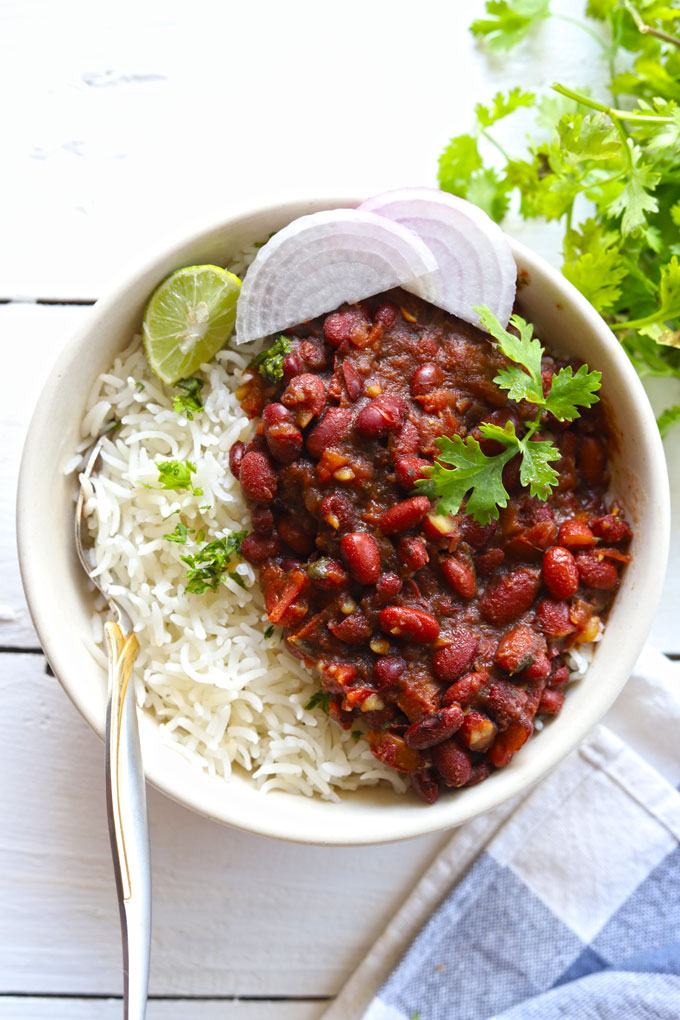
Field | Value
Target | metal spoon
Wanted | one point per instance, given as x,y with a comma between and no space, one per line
125,789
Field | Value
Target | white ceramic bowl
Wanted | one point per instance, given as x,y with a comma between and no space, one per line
61,604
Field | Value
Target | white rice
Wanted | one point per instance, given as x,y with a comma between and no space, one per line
224,696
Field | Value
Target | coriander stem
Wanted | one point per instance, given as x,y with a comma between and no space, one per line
493,141
646,29
648,320
586,28
640,276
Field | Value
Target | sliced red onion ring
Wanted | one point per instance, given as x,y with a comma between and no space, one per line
321,261
475,262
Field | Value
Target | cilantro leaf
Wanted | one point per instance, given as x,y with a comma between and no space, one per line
635,200
509,21
594,263
471,472
320,698
269,363
487,189
176,475
570,390
208,566
667,419
525,350
502,105
189,397
179,535
457,163
269,631
535,470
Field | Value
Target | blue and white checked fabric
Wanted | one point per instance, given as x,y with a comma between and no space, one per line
565,904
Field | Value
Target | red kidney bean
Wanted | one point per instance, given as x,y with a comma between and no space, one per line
590,460
433,729
518,649
257,548
452,763
412,624
426,785
404,515
391,748
551,702
353,381
389,585
553,618
413,552
294,533
387,671
292,366
341,327
362,556
327,574
560,676
258,444
408,470
538,670
465,690
380,416
575,534
313,353
455,658
258,478
338,511
486,562
510,596
425,378
334,424
405,442
354,629
284,438
480,771
596,573
612,528
476,535
560,574
386,314
262,518
439,526
460,577
477,731
508,742
236,454
305,392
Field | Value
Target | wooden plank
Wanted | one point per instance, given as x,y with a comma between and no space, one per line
19,1008
124,139
234,914
32,336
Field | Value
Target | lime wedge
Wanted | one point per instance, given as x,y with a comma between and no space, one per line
188,319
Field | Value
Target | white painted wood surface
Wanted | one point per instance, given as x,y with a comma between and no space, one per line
123,126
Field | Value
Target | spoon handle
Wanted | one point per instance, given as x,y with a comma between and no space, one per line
128,824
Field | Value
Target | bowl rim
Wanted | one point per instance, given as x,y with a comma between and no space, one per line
413,823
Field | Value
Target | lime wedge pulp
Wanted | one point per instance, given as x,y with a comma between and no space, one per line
188,319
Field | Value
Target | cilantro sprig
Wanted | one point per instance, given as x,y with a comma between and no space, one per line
209,565
462,469
188,400
269,363
175,475
319,699
609,171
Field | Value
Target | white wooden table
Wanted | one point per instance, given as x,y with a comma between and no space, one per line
123,124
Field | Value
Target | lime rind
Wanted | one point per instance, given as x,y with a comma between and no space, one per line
189,318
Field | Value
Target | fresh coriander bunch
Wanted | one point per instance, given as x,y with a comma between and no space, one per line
473,474
621,245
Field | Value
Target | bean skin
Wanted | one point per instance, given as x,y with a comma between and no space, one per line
361,554
575,534
455,658
560,573
327,574
596,573
404,515
425,378
408,470
262,518
236,454
477,731
552,616
380,416
612,529
389,585
435,728
257,548
387,671
331,428
465,690
460,577
426,785
413,553
518,649
510,596
406,622
258,478
508,743
452,763
551,702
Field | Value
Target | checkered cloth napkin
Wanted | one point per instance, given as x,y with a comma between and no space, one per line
564,903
